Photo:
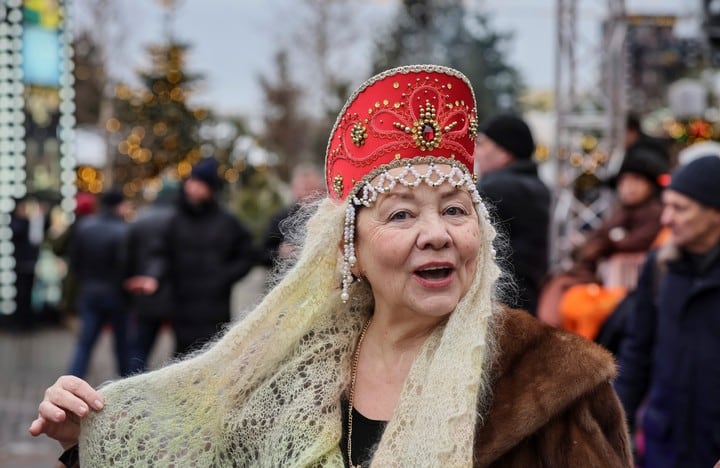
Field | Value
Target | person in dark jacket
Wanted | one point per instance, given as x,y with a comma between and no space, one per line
85,205
509,181
148,312
204,251
670,357
97,256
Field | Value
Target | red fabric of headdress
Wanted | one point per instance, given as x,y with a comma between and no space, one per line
403,113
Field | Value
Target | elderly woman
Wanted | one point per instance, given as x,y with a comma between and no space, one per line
384,344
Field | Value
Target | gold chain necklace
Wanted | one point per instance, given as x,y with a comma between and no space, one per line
351,397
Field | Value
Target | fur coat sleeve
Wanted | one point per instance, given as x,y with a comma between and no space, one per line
553,404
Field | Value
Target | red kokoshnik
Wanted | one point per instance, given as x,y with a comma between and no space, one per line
403,113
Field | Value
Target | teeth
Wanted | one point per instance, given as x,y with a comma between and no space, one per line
435,268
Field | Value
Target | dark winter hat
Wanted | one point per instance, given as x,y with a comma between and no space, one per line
112,198
698,180
511,133
207,171
645,162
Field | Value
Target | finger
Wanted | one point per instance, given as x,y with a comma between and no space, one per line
69,386
58,403
51,412
37,427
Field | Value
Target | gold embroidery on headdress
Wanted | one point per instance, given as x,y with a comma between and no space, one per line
358,134
473,127
338,185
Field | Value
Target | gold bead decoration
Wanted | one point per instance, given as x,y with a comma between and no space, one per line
473,127
358,134
338,185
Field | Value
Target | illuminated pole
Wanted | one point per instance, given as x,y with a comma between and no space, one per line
12,143
66,128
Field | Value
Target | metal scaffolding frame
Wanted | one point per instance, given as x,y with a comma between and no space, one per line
590,99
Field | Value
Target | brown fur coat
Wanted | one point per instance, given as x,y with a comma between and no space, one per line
553,405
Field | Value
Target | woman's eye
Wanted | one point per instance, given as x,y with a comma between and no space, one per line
455,211
399,215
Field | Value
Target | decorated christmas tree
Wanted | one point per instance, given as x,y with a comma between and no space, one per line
154,129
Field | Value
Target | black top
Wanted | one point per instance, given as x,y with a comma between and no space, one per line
365,436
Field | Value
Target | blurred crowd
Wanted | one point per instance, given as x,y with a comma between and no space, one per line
135,268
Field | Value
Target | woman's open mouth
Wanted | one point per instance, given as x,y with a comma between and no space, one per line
434,273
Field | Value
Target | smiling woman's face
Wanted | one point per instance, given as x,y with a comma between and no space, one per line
418,249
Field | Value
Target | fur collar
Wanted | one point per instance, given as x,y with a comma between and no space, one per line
539,372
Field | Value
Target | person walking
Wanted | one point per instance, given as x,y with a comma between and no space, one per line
85,205
670,356
519,201
203,252
97,256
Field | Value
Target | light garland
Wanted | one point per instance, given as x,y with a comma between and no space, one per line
12,144
66,127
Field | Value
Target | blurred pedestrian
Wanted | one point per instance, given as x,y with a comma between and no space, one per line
27,223
97,255
509,181
307,185
203,253
670,357
148,312
85,205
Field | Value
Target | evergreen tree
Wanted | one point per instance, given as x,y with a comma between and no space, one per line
449,33
158,129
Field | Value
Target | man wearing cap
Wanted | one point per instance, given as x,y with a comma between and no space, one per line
204,252
670,357
509,182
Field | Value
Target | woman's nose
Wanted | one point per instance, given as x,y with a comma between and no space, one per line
433,233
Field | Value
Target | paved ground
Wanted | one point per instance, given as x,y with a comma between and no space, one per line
29,362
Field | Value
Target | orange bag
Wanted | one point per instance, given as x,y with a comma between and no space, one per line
585,307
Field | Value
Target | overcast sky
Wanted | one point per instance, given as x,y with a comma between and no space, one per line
232,41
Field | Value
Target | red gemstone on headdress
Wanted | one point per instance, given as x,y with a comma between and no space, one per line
428,132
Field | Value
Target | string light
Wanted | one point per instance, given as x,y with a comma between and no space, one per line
12,148
66,126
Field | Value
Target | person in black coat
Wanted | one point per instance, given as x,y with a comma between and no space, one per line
203,252
148,312
670,356
98,258
509,182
